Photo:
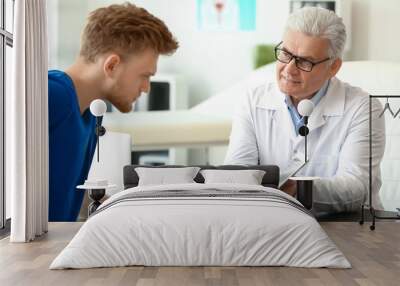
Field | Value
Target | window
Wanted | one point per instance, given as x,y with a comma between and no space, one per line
6,44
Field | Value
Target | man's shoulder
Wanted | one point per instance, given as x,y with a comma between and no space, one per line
258,94
61,96
60,82
352,92
261,89
354,96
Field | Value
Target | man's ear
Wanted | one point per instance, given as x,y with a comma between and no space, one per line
335,67
110,64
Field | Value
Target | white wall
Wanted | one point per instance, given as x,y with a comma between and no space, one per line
375,30
66,19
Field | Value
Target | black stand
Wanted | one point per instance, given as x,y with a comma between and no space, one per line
305,187
372,210
95,195
100,131
303,131
305,193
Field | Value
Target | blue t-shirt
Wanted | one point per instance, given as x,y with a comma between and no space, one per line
72,143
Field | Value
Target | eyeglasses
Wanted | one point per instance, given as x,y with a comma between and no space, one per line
301,63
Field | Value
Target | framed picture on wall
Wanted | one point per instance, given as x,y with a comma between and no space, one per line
226,15
327,4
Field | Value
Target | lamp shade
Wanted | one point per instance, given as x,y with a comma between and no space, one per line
305,107
98,107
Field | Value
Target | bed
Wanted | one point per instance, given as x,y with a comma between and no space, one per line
199,224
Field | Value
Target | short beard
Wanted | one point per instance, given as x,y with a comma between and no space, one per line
120,105
124,108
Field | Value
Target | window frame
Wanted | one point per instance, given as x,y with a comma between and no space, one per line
6,39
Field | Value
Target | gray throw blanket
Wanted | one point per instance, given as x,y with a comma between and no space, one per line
205,194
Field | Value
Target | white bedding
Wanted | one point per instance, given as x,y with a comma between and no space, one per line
185,230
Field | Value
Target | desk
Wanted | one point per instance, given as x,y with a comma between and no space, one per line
374,255
155,130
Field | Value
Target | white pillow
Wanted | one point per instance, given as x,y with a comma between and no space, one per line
248,177
165,176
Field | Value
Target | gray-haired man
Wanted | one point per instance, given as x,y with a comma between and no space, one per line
265,129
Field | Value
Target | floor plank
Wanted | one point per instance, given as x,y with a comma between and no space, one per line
374,255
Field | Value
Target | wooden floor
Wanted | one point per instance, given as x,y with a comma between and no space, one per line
374,255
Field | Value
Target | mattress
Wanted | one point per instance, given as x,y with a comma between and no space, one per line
201,225
160,129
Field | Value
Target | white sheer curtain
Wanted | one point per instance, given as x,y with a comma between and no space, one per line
27,123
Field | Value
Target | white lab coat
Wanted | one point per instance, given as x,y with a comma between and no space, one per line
338,142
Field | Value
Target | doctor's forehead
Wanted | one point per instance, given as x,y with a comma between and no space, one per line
305,45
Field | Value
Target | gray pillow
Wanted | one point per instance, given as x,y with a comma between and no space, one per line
248,177
166,176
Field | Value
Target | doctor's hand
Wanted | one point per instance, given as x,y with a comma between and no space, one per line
290,188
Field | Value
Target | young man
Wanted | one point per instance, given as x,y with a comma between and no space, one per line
120,46
266,128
